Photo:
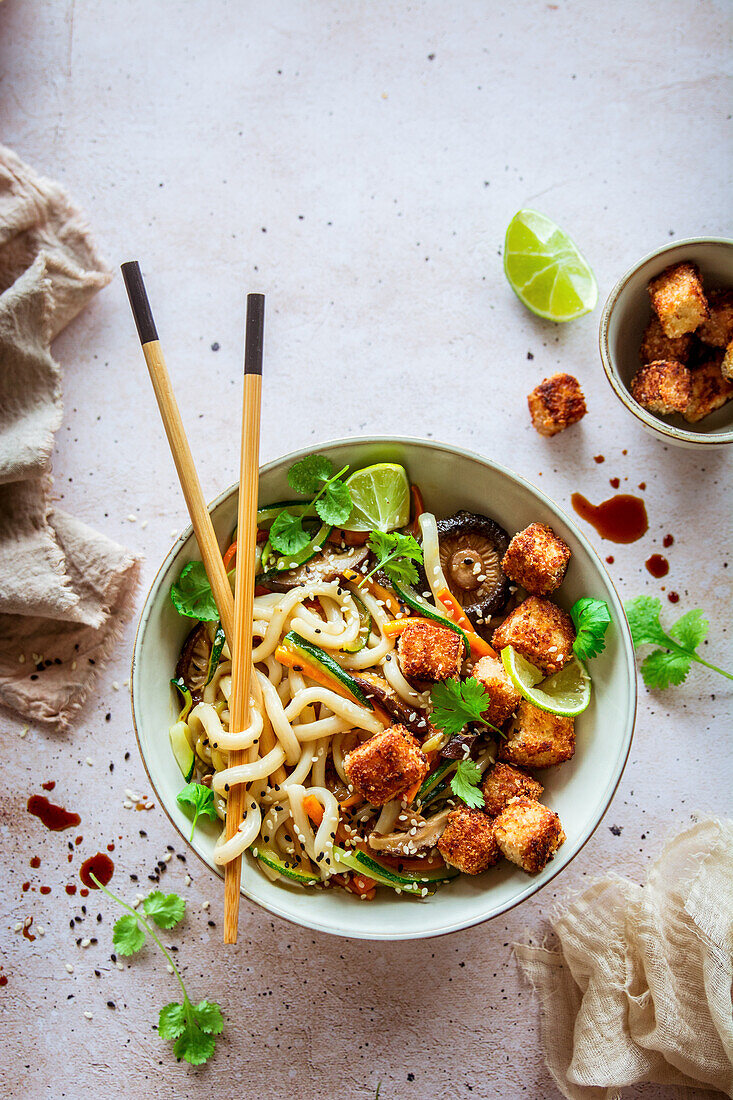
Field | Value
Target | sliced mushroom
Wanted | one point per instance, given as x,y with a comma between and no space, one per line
426,835
374,687
471,549
328,564
459,747
193,664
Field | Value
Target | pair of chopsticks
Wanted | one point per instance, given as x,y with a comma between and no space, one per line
236,611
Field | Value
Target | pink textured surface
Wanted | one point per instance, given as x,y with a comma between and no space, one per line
322,154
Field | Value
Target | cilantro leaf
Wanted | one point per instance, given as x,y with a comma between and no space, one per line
208,1017
662,668
165,909
334,506
691,629
127,935
202,800
308,475
287,534
172,1021
455,703
396,554
191,593
464,783
671,663
591,618
193,1045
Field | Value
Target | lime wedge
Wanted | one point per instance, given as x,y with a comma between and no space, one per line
566,692
545,269
380,496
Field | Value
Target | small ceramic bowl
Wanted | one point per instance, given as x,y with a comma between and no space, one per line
579,791
626,315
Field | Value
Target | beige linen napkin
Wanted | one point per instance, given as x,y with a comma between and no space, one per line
65,590
639,987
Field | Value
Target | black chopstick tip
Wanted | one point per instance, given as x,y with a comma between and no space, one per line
254,334
139,303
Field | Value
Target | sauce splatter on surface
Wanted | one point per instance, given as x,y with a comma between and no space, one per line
53,817
673,597
614,482
71,888
610,559
49,786
599,458
667,541
657,565
99,865
620,519
27,930
35,861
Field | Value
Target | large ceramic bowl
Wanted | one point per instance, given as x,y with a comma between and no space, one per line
626,315
580,791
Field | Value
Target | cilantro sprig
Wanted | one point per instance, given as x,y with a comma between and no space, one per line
465,783
455,703
398,555
201,798
670,663
191,593
331,502
591,619
192,1026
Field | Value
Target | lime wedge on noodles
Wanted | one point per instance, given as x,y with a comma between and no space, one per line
566,692
381,498
545,269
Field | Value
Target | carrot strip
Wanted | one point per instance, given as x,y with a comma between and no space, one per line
409,794
229,555
313,808
479,647
390,601
418,507
289,659
352,800
362,885
392,629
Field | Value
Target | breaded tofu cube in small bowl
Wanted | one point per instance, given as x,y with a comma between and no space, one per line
664,335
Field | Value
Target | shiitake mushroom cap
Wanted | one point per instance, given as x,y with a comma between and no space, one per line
471,549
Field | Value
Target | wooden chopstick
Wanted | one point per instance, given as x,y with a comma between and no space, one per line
190,484
244,591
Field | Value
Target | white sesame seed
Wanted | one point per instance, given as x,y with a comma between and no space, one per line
126,683
149,805
41,930
173,533
131,518
73,666
115,686
205,904
24,731
21,658
144,523
85,942
135,903
167,857
90,762
88,1016
119,965
69,968
27,922
169,968
17,926
127,804
188,880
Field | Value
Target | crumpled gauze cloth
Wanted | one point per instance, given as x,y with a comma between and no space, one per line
65,589
639,988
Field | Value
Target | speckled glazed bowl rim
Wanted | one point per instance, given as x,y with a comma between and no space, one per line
626,654
669,432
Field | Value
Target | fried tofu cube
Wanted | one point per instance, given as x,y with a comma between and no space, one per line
726,367
528,833
503,782
655,345
537,559
539,630
718,329
537,739
556,403
662,387
503,695
468,841
430,652
709,391
678,299
386,765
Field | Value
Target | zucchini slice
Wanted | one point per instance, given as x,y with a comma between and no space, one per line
414,600
182,750
373,867
185,695
274,562
430,781
317,656
282,868
365,627
269,514
216,647
380,874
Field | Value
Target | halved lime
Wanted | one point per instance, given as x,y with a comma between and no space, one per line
545,269
380,495
566,692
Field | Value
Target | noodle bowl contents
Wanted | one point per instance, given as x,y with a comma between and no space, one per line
412,677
